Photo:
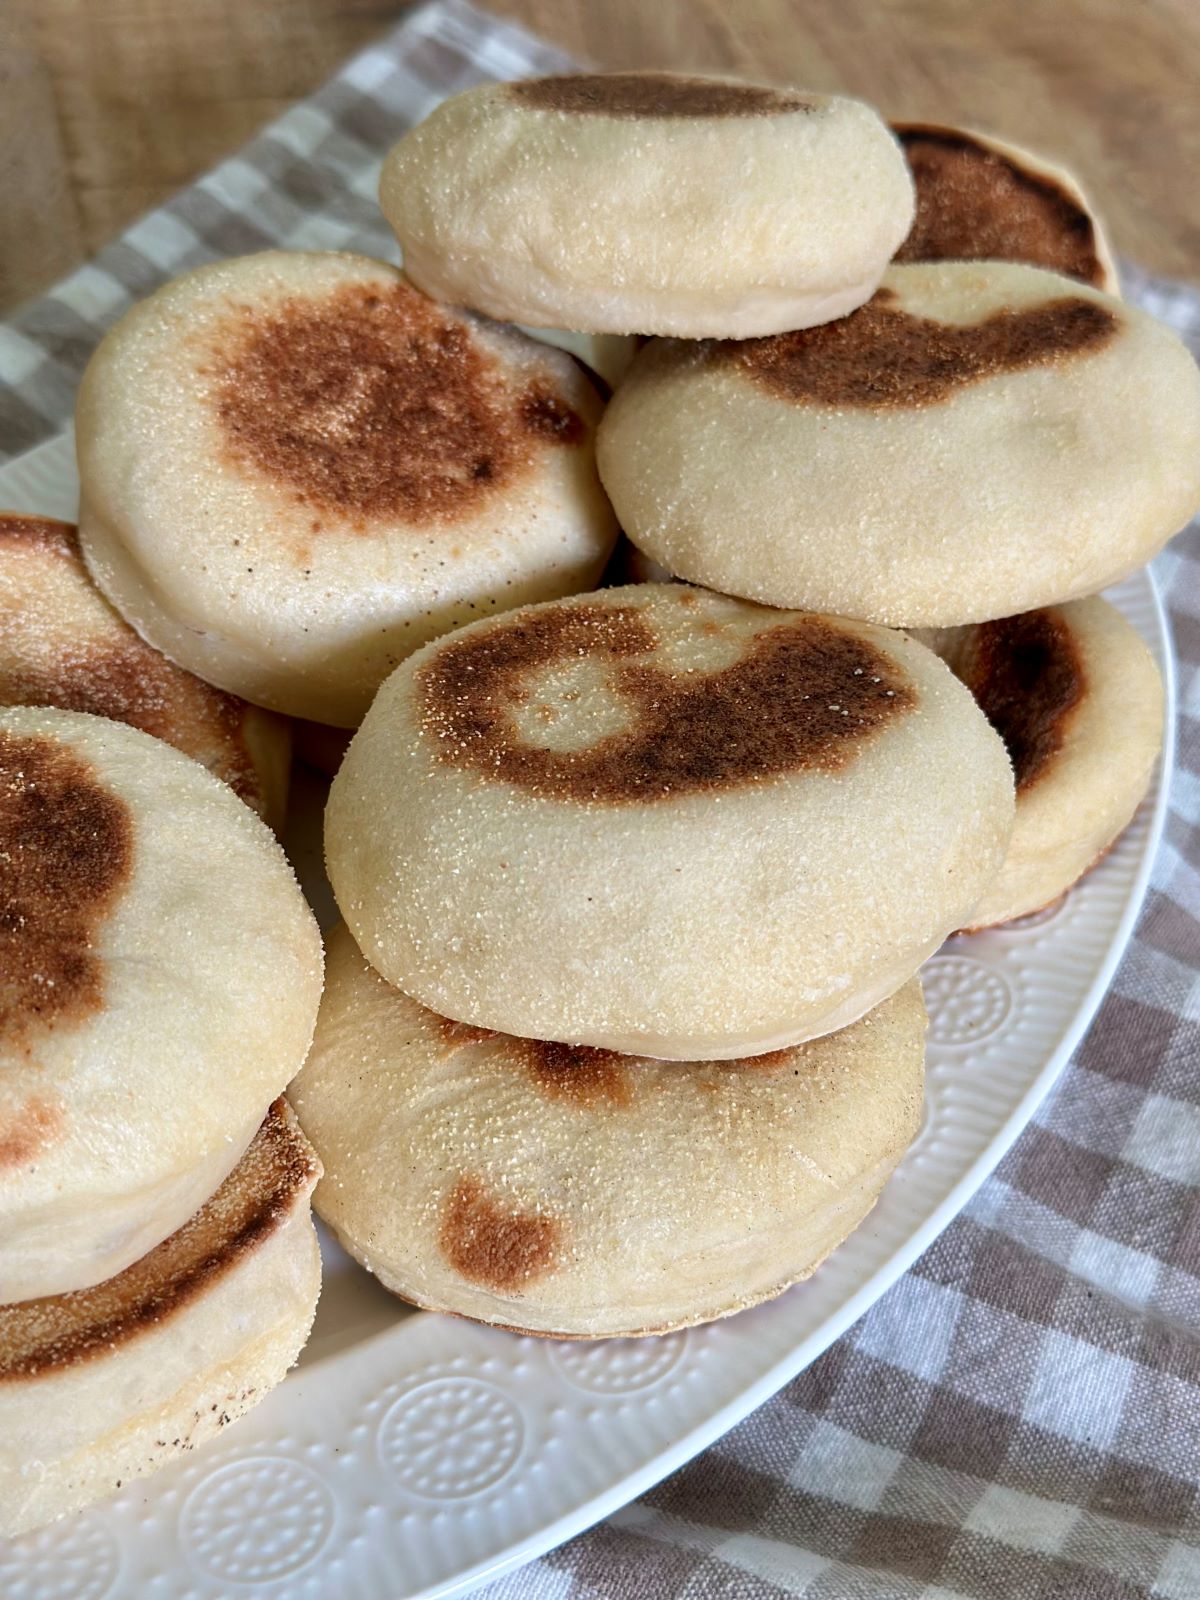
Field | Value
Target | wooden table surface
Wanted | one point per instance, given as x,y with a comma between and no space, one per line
107,106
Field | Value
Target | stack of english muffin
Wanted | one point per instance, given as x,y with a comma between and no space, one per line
621,1029
159,981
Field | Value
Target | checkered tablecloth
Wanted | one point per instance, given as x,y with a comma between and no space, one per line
1019,1418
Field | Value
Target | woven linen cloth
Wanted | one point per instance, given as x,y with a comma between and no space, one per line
1019,1417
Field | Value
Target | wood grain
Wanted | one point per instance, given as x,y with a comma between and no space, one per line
108,106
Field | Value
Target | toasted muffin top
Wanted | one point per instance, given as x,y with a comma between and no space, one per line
669,693
655,95
66,854
979,201
370,400
886,357
1028,676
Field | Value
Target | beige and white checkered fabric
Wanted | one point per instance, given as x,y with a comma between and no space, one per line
1019,1418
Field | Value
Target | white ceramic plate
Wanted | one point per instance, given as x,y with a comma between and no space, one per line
415,1455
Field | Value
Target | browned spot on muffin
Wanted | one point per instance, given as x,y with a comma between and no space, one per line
41,533
258,1198
376,402
803,696
130,682
490,1244
576,1072
66,852
550,417
454,1035
25,1136
880,356
975,204
1027,676
655,94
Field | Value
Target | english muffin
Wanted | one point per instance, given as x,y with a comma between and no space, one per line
982,439
159,980
663,822
110,1383
580,1193
62,644
979,199
295,469
1078,700
649,202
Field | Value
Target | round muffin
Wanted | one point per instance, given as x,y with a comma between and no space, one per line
649,202
664,822
1078,700
295,469
565,1191
159,980
979,199
982,439
110,1383
62,644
